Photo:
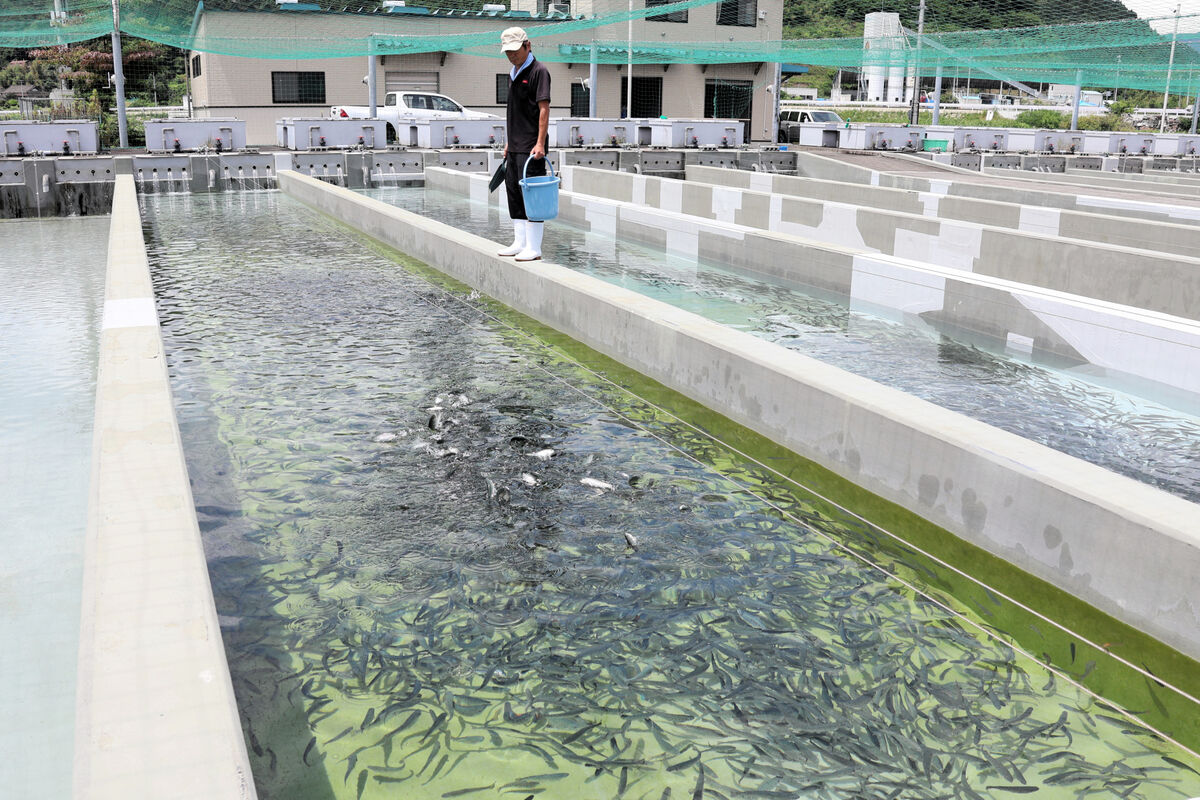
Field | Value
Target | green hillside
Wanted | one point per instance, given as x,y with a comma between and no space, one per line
821,19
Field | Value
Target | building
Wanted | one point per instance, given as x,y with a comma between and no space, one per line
1064,94
263,90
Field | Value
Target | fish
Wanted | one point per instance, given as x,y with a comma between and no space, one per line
254,745
385,437
438,768
547,776
630,540
311,744
596,484
580,732
432,755
340,735
528,479
683,764
472,790
543,455
1014,789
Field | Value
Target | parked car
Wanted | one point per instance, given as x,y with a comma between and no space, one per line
411,105
791,120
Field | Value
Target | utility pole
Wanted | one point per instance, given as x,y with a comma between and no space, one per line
1162,125
914,113
629,77
372,109
119,75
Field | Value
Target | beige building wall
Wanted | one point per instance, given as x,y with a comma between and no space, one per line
230,86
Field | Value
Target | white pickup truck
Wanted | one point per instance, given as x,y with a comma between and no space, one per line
410,105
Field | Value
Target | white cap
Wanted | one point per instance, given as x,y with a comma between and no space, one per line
513,38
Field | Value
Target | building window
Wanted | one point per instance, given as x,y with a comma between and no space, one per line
298,87
196,66
502,82
560,6
580,100
729,100
647,97
674,16
738,12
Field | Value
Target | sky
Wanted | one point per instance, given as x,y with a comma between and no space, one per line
1150,9
1158,8
1162,8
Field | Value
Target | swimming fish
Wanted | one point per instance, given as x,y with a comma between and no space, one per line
543,455
595,484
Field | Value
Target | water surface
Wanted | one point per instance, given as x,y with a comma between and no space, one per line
1112,426
416,521
52,274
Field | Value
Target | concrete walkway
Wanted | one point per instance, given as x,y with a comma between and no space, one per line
156,716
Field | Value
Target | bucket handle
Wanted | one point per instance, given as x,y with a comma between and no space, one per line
549,166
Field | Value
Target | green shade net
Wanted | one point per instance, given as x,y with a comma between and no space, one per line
1123,52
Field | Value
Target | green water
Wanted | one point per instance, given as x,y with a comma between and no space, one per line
419,601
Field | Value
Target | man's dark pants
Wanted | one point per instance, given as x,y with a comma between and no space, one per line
513,169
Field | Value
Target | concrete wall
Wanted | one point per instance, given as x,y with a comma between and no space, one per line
1165,184
156,715
811,165
1127,548
1165,237
1130,276
723,224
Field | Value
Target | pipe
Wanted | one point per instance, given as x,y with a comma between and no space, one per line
1078,95
778,97
629,77
1162,125
593,76
914,113
937,94
119,76
372,109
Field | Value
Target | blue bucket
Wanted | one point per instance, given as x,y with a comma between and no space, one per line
541,193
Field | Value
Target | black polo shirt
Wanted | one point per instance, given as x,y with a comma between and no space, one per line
531,86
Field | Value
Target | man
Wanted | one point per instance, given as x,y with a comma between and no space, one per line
528,123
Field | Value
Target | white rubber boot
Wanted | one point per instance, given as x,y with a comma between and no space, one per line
533,242
519,228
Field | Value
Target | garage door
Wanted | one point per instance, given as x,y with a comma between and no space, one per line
410,81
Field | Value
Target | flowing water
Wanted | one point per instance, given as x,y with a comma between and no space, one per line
52,279
449,561
1118,430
